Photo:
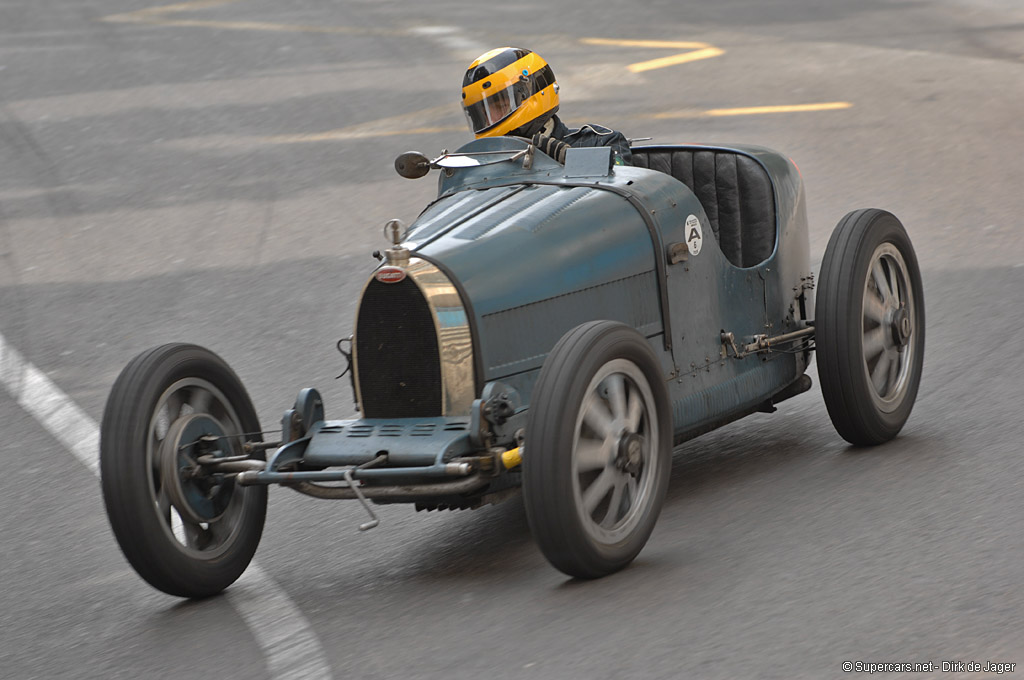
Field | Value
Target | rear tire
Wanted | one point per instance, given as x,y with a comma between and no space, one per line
598,450
187,536
869,327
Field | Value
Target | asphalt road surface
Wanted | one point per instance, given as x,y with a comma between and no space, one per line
219,172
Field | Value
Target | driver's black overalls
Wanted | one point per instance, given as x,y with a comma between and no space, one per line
591,135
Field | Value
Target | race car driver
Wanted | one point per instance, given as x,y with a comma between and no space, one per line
512,91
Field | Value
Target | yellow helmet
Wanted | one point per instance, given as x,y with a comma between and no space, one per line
509,90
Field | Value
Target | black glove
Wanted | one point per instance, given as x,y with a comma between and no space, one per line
551,146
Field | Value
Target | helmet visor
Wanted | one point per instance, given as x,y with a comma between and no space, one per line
494,108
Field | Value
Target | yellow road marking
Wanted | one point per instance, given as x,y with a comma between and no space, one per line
158,16
684,58
154,14
272,27
654,44
752,110
390,127
344,134
412,123
404,124
698,51
183,6
793,108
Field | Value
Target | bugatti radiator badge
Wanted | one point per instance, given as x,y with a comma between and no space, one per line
390,274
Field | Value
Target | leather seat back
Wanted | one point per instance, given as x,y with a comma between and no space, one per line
735,191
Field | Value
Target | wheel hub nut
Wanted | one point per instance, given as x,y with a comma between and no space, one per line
902,328
631,453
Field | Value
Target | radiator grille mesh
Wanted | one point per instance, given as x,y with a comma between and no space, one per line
396,349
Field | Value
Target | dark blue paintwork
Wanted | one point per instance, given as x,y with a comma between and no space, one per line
534,253
538,253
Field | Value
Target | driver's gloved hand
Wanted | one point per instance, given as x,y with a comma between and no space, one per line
551,146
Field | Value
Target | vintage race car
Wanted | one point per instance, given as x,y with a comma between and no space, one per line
551,328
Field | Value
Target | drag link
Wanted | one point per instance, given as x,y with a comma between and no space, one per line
213,464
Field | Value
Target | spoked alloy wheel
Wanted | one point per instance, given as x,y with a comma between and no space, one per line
888,327
870,328
598,450
200,514
186,532
614,454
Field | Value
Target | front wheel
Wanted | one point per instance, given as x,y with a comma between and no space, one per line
598,450
186,532
869,327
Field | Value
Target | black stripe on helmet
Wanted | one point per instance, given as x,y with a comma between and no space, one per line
541,79
494,64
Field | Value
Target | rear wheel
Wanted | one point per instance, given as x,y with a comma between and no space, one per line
187,533
869,327
598,450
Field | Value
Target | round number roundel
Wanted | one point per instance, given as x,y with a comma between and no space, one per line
694,234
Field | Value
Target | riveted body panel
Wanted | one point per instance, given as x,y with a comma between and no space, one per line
514,253
537,253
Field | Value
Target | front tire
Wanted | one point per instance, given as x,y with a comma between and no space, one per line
598,450
187,535
869,326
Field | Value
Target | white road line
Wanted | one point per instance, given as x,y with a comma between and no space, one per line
37,394
289,645
291,649
453,39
